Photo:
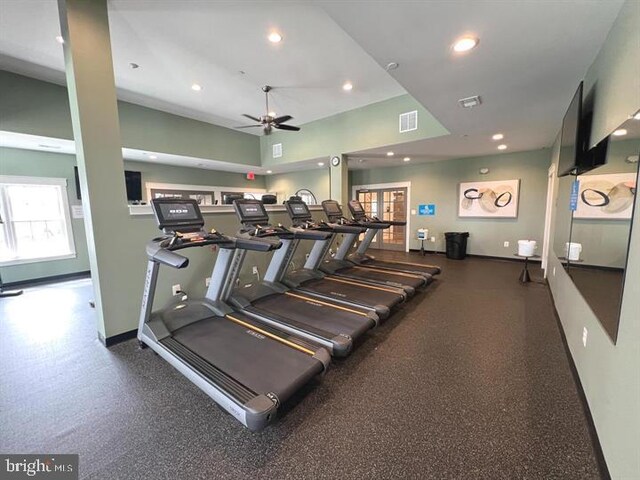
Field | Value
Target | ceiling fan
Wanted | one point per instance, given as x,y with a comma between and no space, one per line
268,122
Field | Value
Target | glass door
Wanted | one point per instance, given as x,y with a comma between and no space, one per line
387,204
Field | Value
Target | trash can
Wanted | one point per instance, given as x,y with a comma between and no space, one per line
456,245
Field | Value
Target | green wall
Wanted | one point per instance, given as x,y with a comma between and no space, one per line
45,164
437,183
286,184
41,108
372,126
609,373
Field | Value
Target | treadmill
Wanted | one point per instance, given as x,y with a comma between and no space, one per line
308,279
360,257
340,266
322,322
247,367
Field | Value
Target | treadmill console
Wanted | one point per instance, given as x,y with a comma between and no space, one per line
298,210
355,207
251,212
332,210
177,214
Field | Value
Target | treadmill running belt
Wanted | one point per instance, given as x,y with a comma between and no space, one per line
311,312
261,364
380,276
356,293
430,269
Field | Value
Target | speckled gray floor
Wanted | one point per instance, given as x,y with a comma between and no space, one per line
469,380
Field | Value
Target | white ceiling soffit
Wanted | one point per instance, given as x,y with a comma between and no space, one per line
529,61
180,42
57,145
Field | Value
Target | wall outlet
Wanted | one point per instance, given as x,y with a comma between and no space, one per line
585,334
506,244
255,270
207,281
432,239
176,289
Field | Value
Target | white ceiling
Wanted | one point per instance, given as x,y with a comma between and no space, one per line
531,56
181,42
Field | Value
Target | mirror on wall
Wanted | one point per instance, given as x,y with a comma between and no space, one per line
601,226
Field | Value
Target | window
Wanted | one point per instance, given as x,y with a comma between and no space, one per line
35,220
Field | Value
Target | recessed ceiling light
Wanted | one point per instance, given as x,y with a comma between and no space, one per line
502,147
275,37
134,65
196,88
391,66
321,164
498,136
272,114
620,132
465,44
269,171
59,39
406,159
347,87
390,154
153,157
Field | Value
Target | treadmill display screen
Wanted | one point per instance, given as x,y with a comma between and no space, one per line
181,212
173,213
356,207
299,209
252,210
332,208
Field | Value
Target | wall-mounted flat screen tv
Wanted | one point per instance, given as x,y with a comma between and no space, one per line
570,139
133,181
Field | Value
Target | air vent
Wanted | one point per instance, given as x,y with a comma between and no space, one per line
470,102
277,150
408,121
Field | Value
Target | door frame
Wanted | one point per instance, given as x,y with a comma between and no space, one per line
551,181
407,185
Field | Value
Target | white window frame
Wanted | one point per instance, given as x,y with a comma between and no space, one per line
60,182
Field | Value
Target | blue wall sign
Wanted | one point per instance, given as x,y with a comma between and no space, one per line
573,200
429,209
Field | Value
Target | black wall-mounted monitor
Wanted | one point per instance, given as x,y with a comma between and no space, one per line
133,182
570,137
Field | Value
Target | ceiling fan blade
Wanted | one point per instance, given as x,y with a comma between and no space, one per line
287,127
249,126
252,118
282,119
